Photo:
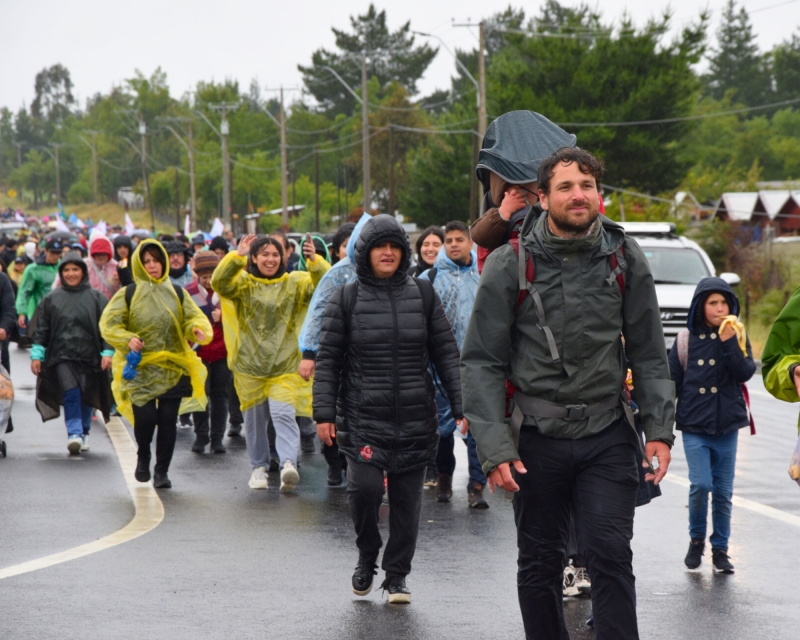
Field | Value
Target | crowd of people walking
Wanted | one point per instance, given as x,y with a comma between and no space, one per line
534,337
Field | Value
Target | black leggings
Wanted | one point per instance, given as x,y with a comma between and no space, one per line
161,413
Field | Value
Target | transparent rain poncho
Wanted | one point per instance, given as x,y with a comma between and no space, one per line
261,318
158,319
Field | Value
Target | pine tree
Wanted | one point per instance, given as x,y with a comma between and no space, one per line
736,64
786,69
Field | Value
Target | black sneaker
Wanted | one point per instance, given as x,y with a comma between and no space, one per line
218,447
274,464
695,554
395,587
362,577
444,488
335,475
200,443
234,430
721,561
430,478
142,473
475,496
307,444
161,481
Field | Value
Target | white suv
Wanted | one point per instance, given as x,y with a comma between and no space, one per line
678,264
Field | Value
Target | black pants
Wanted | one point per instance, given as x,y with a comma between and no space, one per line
445,456
598,475
234,407
365,489
333,456
217,389
164,415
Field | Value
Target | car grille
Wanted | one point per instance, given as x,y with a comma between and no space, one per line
673,320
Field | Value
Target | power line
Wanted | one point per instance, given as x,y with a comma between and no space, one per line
772,6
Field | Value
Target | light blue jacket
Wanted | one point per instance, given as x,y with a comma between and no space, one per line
456,287
339,274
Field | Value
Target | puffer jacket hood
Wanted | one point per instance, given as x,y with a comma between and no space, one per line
379,229
515,145
73,257
697,317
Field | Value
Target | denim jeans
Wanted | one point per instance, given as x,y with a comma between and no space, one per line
712,463
77,416
446,459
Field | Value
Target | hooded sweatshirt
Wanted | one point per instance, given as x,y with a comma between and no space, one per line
102,278
709,391
123,265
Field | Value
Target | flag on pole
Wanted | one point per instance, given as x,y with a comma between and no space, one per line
187,228
217,229
19,217
80,223
102,227
61,225
128,224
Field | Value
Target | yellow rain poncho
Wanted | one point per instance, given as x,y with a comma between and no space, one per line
261,318
158,319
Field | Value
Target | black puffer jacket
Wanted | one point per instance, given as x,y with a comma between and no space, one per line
372,376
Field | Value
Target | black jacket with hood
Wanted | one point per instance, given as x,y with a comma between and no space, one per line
709,392
68,330
124,272
372,377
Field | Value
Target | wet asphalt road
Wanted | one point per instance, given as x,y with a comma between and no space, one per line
231,562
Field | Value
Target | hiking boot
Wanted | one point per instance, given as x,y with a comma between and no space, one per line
142,473
430,478
334,475
85,442
234,430
362,576
258,479
289,477
307,444
74,444
161,481
200,443
695,554
218,447
444,488
582,581
568,587
721,561
396,587
475,496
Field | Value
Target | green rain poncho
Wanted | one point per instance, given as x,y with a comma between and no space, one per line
158,319
261,318
781,351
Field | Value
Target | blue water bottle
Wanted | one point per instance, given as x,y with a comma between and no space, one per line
133,360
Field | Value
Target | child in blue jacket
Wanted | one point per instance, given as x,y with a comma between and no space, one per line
709,369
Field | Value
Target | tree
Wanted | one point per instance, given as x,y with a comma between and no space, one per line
391,57
786,69
54,98
736,64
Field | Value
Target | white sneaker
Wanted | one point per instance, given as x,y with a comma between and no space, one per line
289,477
569,588
85,442
582,581
74,444
258,479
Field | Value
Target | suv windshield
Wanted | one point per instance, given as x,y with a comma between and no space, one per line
675,266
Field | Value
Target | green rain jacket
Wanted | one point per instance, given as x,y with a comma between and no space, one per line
36,283
587,316
782,352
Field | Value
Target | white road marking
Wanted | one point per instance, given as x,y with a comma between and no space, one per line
744,503
149,510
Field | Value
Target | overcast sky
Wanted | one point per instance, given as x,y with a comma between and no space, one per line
102,42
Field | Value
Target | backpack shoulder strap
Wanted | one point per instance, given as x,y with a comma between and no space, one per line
683,348
349,294
129,291
432,274
426,291
619,269
178,292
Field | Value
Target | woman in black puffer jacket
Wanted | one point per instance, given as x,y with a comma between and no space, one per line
372,382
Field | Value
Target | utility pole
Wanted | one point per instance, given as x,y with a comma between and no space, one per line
18,145
346,206
338,196
177,201
284,176
365,134
316,190
391,170
224,130
57,146
143,134
93,146
482,82
190,151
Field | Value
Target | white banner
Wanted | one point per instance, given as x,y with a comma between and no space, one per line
187,227
128,224
217,229
102,228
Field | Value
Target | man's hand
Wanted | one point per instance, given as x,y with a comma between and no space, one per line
36,367
199,334
463,426
326,431
728,333
3,335
244,246
513,201
309,250
500,476
21,321
307,368
216,315
105,363
657,451
135,344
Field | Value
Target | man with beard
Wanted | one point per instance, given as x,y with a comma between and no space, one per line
549,316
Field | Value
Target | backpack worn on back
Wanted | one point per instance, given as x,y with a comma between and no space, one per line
350,292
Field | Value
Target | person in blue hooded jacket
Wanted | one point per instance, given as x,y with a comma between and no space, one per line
709,368
338,275
454,276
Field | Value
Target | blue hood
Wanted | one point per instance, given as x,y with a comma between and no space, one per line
351,243
697,320
443,263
